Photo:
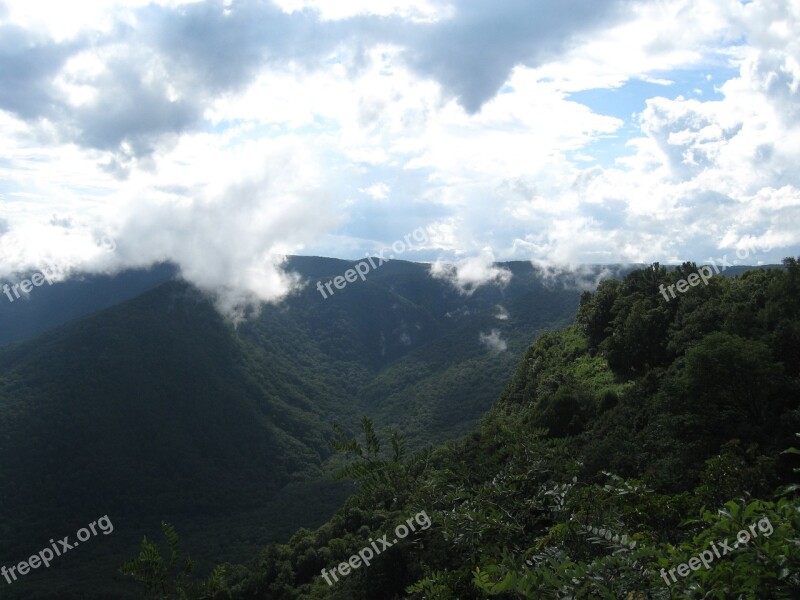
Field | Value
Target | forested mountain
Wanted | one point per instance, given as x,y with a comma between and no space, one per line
157,408
424,345
62,301
624,449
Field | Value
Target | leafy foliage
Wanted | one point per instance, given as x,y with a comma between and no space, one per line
167,576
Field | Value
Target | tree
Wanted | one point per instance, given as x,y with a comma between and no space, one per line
166,577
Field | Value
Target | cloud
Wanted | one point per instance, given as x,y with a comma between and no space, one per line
379,191
161,67
154,73
79,248
494,341
29,62
232,242
575,277
412,10
702,174
218,47
228,233
687,133
468,274
473,53
502,314
224,135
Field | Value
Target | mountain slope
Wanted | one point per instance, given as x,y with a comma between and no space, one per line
157,408
413,343
124,397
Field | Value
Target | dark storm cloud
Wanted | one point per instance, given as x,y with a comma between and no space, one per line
473,54
163,72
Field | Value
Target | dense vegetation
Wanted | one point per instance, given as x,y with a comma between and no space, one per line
628,443
158,409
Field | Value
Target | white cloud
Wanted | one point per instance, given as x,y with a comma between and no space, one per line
657,37
379,191
573,276
414,10
502,314
225,216
265,199
705,174
469,274
494,341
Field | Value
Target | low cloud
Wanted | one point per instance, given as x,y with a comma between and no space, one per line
575,277
469,274
229,235
494,341
232,243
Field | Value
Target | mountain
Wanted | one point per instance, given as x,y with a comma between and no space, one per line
647,451
435,358
59,302
152,406
157,408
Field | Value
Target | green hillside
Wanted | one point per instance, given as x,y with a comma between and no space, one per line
159,409
623,450
154,406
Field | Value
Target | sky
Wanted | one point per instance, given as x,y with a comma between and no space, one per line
225,135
